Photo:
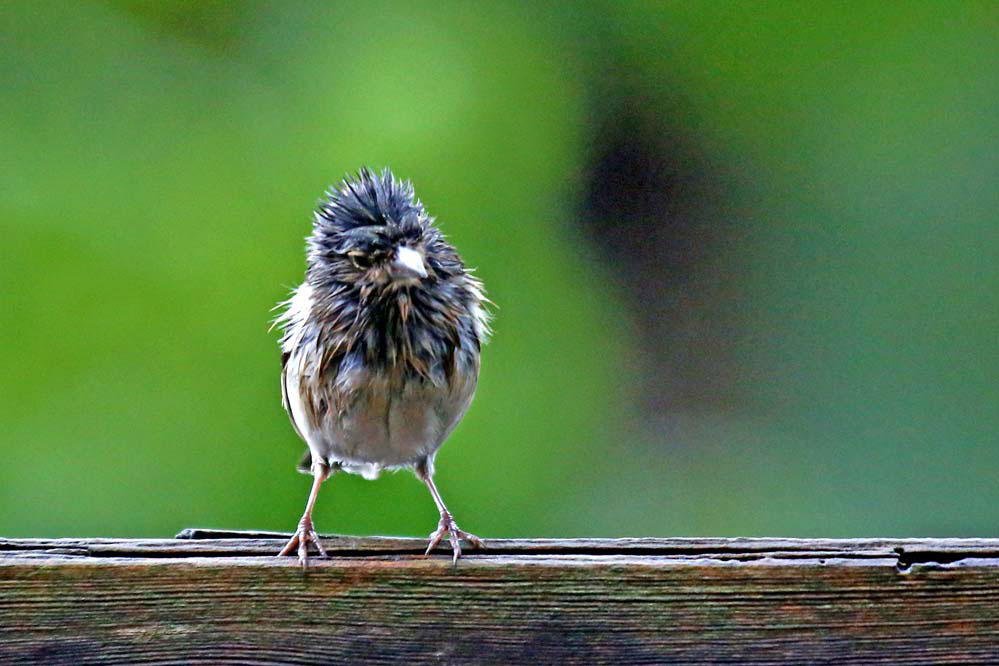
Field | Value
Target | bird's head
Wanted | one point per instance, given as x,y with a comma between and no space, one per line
371,232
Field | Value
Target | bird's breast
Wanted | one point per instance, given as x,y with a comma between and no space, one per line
365,415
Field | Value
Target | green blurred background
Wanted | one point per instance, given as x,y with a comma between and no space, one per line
744,255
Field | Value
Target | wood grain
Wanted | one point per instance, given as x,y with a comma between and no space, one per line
222,597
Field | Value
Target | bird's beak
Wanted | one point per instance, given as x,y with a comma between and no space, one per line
409,263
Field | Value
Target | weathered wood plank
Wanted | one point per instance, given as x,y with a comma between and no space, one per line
222,597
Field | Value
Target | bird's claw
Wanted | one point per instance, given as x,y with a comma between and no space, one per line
455,535
305,534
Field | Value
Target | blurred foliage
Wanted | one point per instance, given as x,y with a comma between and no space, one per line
161,162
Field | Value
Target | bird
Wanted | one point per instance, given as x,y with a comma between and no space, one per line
380,345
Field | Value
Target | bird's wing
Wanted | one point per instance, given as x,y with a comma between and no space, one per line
464,378
305,464
284,393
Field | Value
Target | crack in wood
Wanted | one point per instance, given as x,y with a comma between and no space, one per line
202,543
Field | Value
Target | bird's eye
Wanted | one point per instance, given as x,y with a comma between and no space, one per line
360,260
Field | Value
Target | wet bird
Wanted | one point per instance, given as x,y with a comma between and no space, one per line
380,352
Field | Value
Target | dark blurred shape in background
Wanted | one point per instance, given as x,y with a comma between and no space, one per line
744,256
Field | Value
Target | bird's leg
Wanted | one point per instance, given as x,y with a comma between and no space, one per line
425,472
306,532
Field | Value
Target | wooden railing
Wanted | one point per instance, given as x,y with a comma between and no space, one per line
223,597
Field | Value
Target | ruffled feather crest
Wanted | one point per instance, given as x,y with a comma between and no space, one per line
371,199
